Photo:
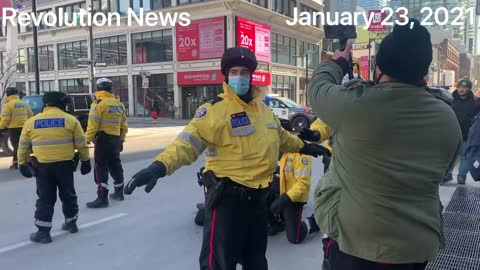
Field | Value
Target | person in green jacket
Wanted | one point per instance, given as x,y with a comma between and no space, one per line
394,143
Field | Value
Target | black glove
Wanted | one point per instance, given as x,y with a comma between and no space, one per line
25,170
310,135
147,176
313,149
121,146
86,167
280,203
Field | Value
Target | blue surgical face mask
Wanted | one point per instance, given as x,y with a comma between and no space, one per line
240,84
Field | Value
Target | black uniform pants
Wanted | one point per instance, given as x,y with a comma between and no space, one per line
337,260
295,229
107,160
51,176
14,134
236,231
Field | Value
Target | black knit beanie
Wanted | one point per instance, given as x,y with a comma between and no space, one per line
406,53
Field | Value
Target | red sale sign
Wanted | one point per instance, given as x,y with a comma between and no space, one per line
254,36
261,78
202,39
200,77
364,67
377,19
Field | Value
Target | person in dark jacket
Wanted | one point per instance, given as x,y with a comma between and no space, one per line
466,106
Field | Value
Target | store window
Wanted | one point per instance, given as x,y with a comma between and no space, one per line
148,5
284,49
262,3
69,52
284,7
106,6
150,47
285,86
21,60
187,2
111,50
160,87
304,8
313,52
45,86
45,58
70,10
74,85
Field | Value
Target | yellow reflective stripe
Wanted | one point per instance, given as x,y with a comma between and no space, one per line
243,131
272,125
288,168
106,121
80,139
211,152
303,173
52,142
75,218
25,143
94,117
19,114
43,223
192,140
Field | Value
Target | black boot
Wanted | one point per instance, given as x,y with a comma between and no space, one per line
70,226
312,224
118,194
14,166
41,237
101,201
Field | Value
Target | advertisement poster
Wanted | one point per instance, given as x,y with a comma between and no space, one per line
200,77
256,37
261,78
202,39
378,18
364,67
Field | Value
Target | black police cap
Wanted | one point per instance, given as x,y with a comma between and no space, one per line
55,98
11,91
238,56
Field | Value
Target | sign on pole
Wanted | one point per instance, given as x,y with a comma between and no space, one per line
145,82
378,18
83,62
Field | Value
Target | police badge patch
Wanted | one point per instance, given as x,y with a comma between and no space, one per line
305,161
201,112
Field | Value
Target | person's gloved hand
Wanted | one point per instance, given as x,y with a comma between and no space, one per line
121,146
280,203
314,150
25,171
309,135
86,167
147,176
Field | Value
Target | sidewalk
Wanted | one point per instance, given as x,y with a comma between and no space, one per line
140,122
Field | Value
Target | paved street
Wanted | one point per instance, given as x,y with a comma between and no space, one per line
146,231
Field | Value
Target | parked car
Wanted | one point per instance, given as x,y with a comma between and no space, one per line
79,108
290,112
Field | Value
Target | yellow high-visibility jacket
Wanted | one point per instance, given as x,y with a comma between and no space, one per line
14,113
320,126
52,136
296,176
107,114
242,141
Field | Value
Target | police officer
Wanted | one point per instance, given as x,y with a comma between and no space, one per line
107,129
242,139
14,115
52,136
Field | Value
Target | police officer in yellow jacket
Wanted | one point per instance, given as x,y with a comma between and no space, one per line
14,115
293,187
52,136
107,129
242,139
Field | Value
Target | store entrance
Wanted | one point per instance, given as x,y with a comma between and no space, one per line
194,96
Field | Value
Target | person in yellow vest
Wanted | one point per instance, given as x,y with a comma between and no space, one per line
53,136
291,187
242,138
14,115
107,128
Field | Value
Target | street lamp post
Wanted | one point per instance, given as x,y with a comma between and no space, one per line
35,49
92,60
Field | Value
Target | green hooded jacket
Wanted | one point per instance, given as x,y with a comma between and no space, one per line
394,143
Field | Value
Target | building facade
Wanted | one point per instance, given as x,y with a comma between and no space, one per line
450,57
154,62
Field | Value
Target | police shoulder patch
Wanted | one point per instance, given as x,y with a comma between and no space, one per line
304,161
98,101
215,100
201,112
